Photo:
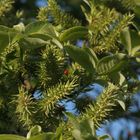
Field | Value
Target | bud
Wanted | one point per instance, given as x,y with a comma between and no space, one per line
66,72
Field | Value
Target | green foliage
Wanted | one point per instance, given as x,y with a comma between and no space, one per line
84,56
129,4
42,14
25,107
124,6
56,59
50,70
108,43
130,40
103,106
74,33
110,64
105,26
54,94
5,6
84,130
11,137
61,18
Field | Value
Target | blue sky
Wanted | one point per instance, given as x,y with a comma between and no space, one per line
41,3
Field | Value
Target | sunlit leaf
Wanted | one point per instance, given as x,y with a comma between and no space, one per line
74,33
40,27
122,104
11,137
34,131
32,43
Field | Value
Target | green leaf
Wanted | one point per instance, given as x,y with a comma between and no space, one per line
72,119
56,42
7,39
40,27
74,33
137,10
47,37
105,137
87,126
83,130
138,60
122,104
110,64
122,79
44,37
77,134
32,43
92,54
135,38
11,137
137,54
82,57
34,131
6,29
131,40
43,136
118,79
4,41
135,51
59,132
126,39
87,2
38,33
19,27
